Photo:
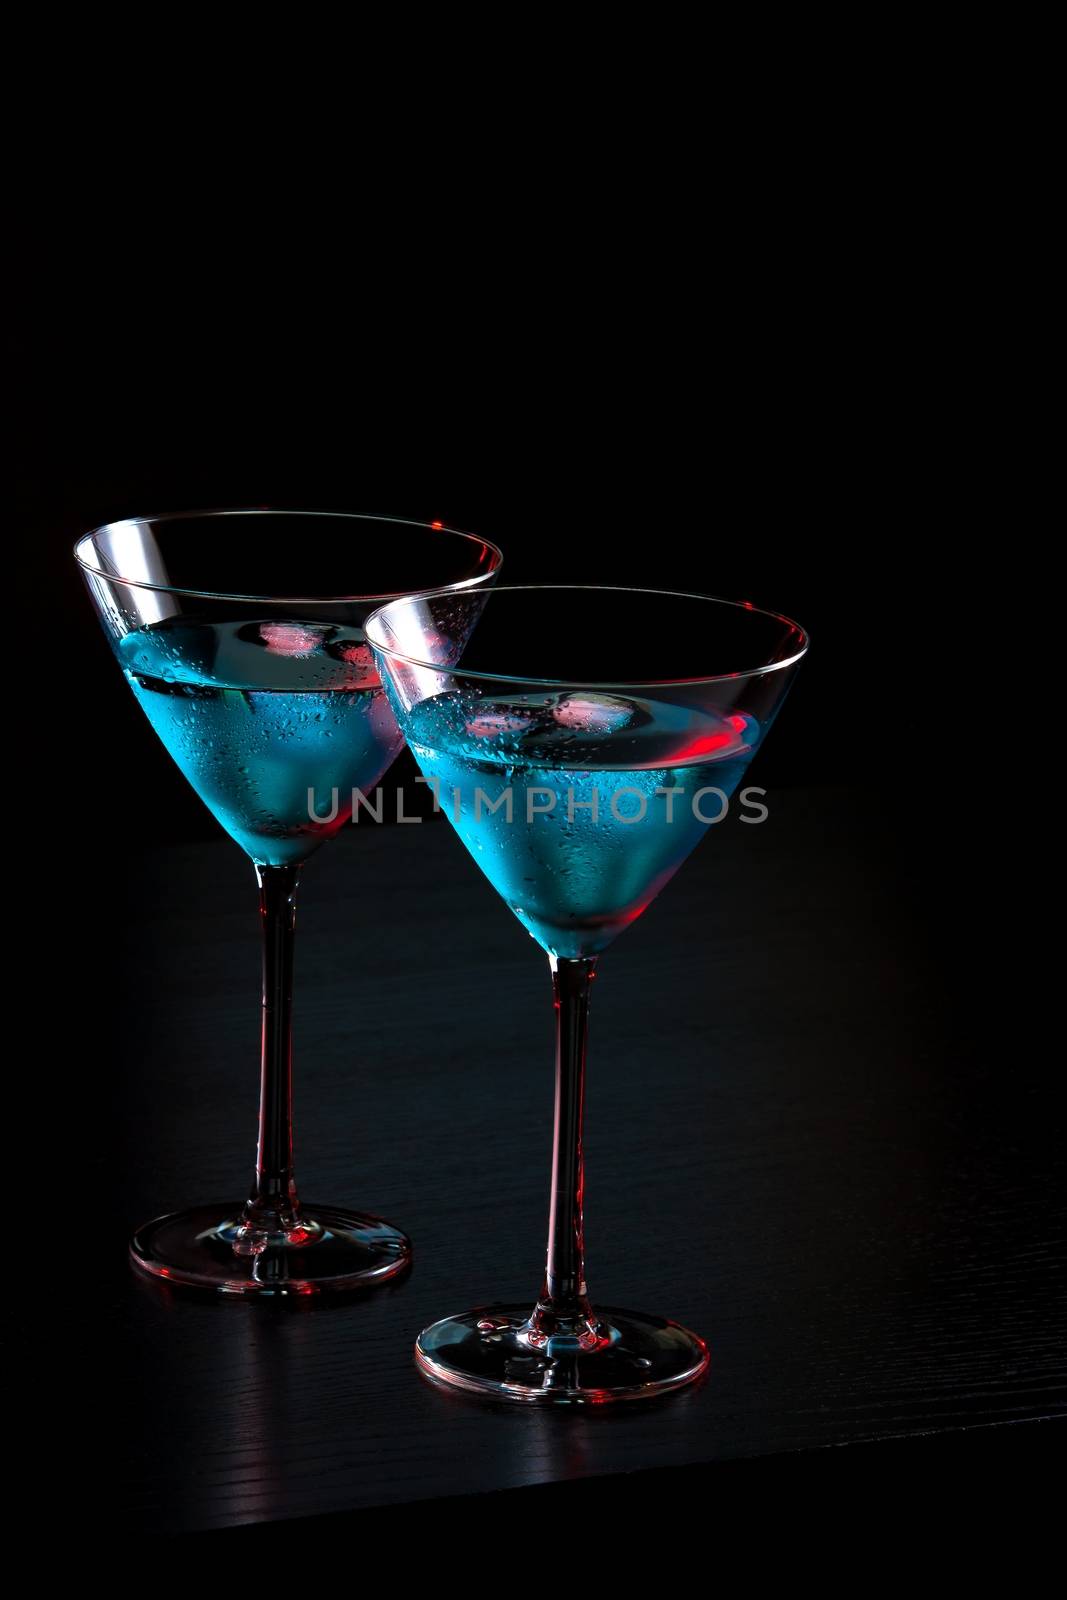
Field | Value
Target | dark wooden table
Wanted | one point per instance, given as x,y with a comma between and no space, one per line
799,1144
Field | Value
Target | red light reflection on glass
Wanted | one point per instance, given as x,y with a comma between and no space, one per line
707,744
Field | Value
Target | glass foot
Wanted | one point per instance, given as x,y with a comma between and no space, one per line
629,1357
332,1251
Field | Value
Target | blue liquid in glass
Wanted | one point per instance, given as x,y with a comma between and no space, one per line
257,713
575,879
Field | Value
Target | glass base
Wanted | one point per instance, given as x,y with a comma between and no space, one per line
629,1356
331,1251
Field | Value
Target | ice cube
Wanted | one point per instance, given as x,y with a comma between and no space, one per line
358,658
497,724
593,713
290,638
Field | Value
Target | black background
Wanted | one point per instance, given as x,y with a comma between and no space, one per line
767,470
753,318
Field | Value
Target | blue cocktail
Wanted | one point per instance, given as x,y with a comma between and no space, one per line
581,742
577,806
269,719
241,635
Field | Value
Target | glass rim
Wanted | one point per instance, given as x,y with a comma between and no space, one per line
283,599
588,683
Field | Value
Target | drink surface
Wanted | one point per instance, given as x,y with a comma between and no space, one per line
578,806
257,713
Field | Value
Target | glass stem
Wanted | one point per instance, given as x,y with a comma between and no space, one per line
273,1208
563,1314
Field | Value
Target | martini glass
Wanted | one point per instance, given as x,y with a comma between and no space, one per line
581,741
241,636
